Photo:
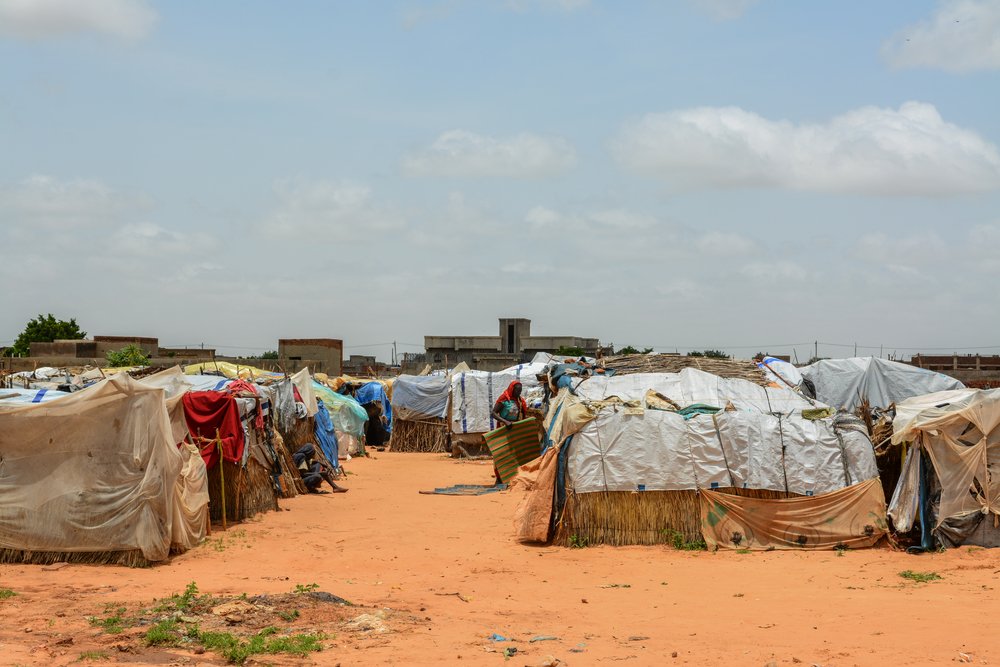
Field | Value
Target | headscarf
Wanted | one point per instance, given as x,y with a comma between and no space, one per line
508,395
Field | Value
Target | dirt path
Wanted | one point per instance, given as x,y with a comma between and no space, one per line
446,574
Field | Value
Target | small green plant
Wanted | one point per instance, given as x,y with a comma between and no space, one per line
164,633
92,655
677,540
130,355
6,594
289,615
112,624
577,542
305,588
742,551
186,601
237,650
919,577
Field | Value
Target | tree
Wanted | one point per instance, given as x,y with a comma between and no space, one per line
628,349
44,329
710,354
567,351
270,354
130,355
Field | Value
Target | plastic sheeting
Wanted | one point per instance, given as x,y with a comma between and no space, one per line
346,413
326,435
905,499
661,451
780,372
473,395
694,386
843,383
98,471
852,517
374,392
962,440
30,396
417,397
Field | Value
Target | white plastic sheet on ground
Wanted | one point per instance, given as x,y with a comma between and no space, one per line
98,471
660,451
843,383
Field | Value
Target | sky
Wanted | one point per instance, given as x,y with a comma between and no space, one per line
746,175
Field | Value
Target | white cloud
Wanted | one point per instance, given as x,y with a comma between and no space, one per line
961,36
39,19
330,210
562,5
725,244
775,272
45,203
542,218
460,153
919,249
146,239
871,150
724,10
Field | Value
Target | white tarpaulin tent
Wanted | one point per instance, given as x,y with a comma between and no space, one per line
661,451
473,394
843,383
694,386
960,432
99,471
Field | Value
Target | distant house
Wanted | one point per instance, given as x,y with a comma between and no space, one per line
512,346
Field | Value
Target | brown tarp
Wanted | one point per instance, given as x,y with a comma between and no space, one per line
852,517
534,512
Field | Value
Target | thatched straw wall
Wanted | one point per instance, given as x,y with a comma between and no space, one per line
292,484
249,491
429,435
133,558
621,518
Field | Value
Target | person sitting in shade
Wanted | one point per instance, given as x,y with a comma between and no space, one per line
313,472
510,407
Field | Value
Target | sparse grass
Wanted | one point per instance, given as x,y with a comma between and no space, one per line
305,588
681,544
237,650
113,623
289,615
184,602
164,633
920,577
92,655
6,594
577,542
742,551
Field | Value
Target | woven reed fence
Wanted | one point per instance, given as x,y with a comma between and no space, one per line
620,518
426,435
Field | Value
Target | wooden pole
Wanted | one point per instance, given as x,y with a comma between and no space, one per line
222,477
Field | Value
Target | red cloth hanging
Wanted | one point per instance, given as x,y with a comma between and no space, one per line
248,388
208,411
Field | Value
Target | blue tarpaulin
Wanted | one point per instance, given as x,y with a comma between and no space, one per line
325,435
374,392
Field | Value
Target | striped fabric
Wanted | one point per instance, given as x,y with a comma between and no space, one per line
513,447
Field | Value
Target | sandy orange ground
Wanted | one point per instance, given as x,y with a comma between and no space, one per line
385,546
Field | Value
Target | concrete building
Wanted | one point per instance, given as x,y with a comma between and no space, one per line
513,345
975,370
322,355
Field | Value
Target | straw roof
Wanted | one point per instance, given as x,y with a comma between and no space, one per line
628,364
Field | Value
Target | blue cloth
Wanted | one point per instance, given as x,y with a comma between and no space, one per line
374,392
325,435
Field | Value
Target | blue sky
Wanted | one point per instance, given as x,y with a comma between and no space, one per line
684,174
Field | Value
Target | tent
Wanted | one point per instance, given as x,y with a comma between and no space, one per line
948,480
98,476
629,458
845,383
420,411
